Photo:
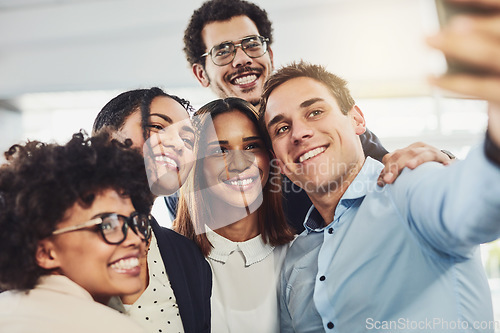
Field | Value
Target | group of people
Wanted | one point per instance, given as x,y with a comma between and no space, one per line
354,250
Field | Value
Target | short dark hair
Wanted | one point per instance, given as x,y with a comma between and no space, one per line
336,85
114,114
221,10
193,207
40,182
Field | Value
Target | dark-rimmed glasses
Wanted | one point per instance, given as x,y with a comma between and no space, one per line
114,227
224,53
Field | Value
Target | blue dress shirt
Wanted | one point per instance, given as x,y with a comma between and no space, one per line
402,258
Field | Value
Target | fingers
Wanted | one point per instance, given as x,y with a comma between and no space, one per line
410,157
487,3
395,162
474,41
470,42
482,87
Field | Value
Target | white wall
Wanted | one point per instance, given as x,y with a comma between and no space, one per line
10,130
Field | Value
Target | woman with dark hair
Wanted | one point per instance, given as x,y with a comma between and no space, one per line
177,281
230,206
74,226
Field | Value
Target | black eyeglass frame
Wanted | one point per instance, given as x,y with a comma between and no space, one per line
130,222
263,40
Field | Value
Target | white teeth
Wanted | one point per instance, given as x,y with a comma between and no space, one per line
245,79
311,154
128,263
241,182
166,159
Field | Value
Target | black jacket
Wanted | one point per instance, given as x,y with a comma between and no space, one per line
190,277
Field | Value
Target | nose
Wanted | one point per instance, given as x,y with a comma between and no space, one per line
132,239
300,132
239,160
241,58
171,139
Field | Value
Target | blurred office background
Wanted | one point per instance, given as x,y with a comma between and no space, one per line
62,60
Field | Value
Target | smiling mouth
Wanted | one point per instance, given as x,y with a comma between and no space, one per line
310,154
240,182
165,160
245,79
125,265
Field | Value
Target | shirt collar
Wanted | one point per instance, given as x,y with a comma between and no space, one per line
158,280
365,181
254,250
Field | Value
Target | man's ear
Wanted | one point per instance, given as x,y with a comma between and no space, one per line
46,256
358,120
201,75
270,51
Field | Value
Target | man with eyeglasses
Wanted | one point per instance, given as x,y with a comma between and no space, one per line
228,45
212,39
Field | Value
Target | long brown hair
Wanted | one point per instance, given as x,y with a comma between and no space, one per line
193,207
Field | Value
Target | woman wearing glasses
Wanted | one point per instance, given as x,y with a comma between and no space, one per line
231,207
74,227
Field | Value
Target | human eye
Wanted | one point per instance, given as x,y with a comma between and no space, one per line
110,224
253,146
314,113
155,127
223,50
188,142
218,151
281,129
252,43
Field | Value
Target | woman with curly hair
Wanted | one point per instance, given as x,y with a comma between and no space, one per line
231,207
74,221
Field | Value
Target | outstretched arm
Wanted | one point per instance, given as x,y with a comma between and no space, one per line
475,41
463,208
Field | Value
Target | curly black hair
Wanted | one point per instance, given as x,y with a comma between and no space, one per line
221,10
40,182
114,114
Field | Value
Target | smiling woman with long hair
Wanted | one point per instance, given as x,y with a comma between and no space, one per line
231,207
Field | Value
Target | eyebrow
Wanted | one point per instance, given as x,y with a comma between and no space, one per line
162,116
310,102
275,120
188,129
236,40
100,214
217,142
251,138
226,142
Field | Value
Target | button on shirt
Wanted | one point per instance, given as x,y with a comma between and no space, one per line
156,309
245,284
402,258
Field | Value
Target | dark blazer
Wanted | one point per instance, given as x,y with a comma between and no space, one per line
296,203
190,277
